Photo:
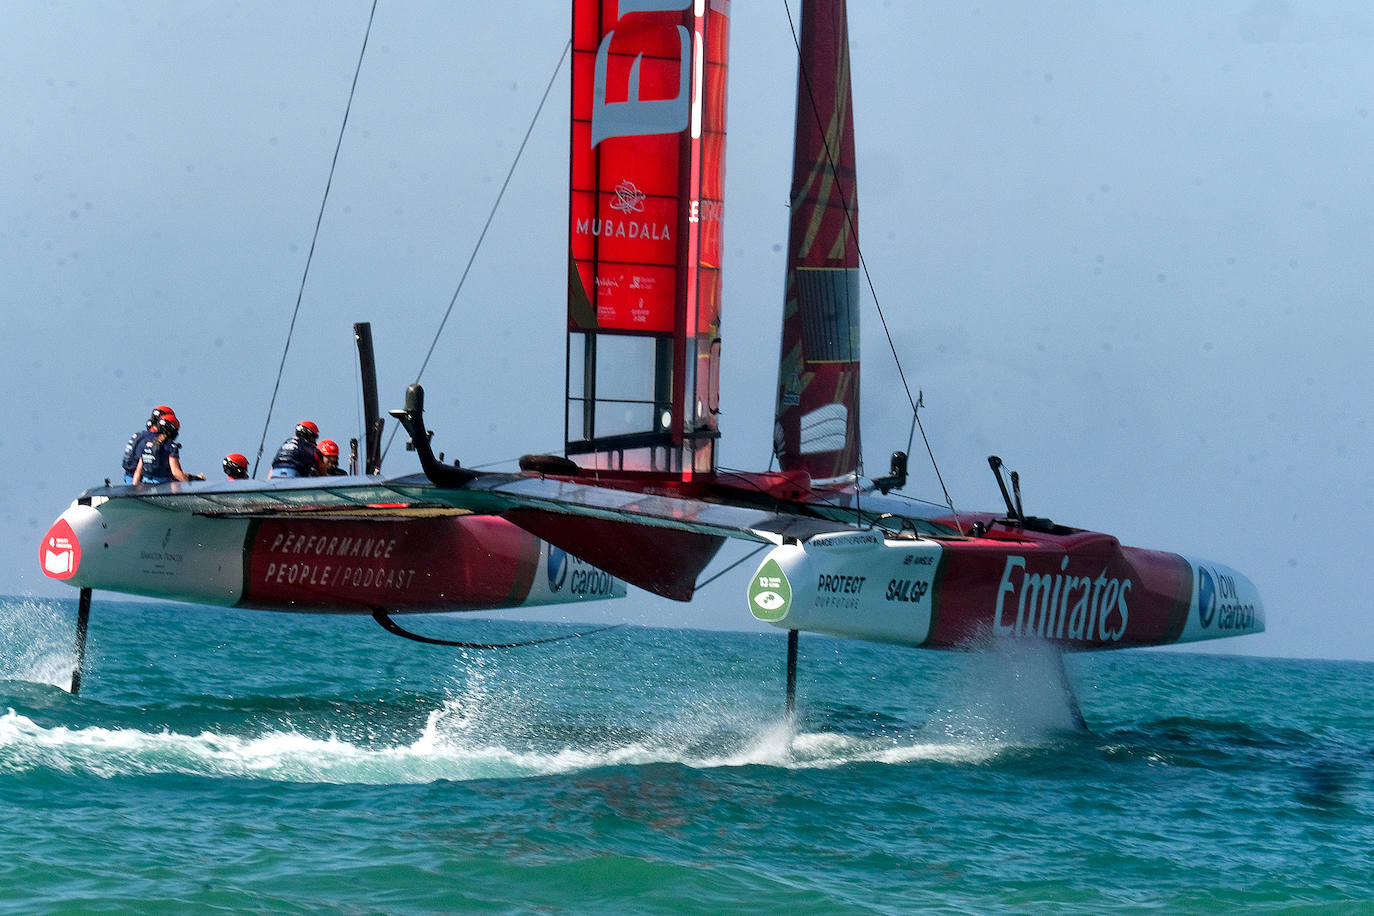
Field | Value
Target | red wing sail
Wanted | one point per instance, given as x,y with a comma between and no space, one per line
818,377
647,174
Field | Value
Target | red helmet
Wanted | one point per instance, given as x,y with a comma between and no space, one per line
329,447
236,465
160,411
307,429
168,425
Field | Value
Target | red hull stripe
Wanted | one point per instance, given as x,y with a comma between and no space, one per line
1089,598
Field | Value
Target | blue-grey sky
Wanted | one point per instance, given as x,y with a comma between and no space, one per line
1126,247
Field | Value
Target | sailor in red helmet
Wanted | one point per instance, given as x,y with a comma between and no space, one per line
160,461
133,450
329,459
236,466
298,456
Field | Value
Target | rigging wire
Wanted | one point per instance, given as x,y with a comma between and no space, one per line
700,585
487,225
849,218
319,219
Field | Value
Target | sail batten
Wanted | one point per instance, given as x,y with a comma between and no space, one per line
817,429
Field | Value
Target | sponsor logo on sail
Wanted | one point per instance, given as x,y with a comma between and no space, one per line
706,211
624,229
636,116
628,198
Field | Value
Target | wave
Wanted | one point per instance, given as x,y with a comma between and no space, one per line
448,747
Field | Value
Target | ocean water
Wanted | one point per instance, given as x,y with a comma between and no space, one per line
237,761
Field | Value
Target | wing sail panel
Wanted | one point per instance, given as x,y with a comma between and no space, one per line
645,216
817,427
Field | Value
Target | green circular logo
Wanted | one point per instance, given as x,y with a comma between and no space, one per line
770,593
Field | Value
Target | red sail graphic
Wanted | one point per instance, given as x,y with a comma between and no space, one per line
647,174
818,378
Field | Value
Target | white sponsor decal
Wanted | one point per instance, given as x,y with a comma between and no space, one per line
59,556
769,600
628,198
844,540
329,546
306,572
635,116
1078,608
624,229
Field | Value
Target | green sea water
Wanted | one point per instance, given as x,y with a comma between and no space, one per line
226,761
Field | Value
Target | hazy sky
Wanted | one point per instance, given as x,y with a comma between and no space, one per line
1126,247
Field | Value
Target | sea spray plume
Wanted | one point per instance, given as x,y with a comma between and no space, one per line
36,641
1014,692
677,701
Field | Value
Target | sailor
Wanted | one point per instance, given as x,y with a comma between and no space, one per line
160,461
133,450
298,456
236,466
329,459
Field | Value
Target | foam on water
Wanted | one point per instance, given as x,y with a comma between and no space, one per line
447,748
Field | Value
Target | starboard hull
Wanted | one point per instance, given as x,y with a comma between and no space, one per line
316,565
1082,591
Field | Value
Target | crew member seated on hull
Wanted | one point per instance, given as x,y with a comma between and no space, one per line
236,466
161,458
298,456
133,450
329,459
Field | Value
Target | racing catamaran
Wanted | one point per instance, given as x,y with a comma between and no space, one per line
638,494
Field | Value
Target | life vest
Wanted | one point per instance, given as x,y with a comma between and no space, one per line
157,460
133,452
299,454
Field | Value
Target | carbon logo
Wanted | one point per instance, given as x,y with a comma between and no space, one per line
1206,597
557,568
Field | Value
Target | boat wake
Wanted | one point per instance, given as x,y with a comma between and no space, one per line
480,731
436,754
489,724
